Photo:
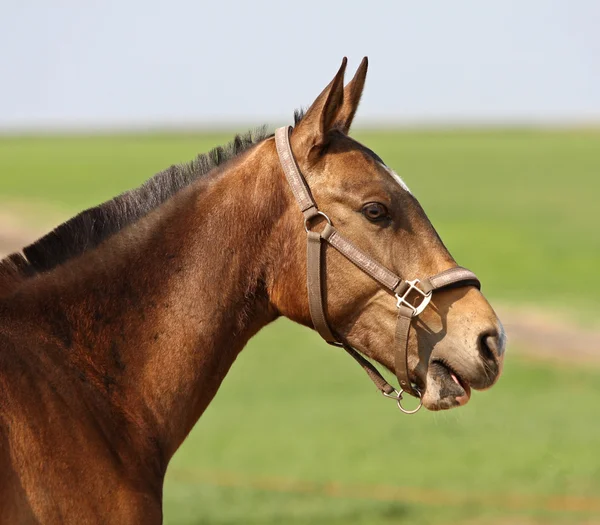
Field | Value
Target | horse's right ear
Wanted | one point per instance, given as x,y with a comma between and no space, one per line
352,95
321,117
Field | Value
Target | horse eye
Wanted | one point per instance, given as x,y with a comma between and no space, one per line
375,211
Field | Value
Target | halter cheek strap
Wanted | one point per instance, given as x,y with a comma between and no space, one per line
404,291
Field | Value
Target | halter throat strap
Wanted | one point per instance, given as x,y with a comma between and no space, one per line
403,290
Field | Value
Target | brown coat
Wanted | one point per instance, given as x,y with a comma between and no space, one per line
113,345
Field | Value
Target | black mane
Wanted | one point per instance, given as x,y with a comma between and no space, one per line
299,115
89,228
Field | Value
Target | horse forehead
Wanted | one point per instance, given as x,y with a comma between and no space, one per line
373,166
396,178
359,152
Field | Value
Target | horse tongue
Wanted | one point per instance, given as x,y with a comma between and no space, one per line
462,400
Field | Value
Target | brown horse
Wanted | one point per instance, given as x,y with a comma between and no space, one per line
117,328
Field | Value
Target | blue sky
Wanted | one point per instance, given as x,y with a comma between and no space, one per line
112,64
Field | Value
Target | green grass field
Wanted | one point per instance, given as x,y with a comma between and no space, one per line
312,442
520,208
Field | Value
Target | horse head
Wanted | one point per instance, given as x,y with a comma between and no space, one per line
456,342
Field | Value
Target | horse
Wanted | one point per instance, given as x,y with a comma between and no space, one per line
118,327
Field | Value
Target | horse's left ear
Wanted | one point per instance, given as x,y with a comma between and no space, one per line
322,116
352,93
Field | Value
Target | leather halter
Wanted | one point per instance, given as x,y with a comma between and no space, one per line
401,288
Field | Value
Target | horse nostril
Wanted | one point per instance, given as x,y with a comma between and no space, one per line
489,361
491,349
491,346
484,348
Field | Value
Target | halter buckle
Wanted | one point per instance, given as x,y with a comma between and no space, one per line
397,395
402,299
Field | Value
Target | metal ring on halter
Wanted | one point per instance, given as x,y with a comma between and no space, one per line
398,397
306,221
414,410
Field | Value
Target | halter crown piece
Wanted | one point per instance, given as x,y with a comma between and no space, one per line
401,288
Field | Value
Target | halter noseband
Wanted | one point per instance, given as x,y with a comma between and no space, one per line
400,288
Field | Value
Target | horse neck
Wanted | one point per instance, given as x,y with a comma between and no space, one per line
157,325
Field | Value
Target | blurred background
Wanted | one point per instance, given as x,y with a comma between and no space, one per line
490,111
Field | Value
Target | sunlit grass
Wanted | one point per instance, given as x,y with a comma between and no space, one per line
294,413
519,208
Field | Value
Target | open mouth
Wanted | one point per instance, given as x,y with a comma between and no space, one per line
465,386
445,387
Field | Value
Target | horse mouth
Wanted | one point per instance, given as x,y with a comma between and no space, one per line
446,388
